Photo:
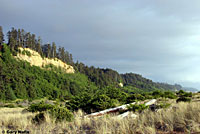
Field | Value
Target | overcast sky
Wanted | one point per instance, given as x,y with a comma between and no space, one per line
159,39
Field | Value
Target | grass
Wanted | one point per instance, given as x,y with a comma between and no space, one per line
14,118
179,118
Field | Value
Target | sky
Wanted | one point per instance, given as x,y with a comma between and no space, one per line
159,39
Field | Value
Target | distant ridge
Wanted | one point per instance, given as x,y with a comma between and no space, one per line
190,89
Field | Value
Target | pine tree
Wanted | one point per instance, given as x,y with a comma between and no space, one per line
33,42
22,37
53,50
12,38
28,40
63,54
49,51
66,58
19,38
38,46
1,36
71,59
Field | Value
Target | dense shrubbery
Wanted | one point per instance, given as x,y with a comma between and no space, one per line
184,96
91,102
57,112
61,113
163,105
137,107
102,102
39,107
135,97
184,99
169,94
182,93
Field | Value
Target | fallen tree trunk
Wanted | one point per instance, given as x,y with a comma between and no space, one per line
110,110
117,109
131,114
150,102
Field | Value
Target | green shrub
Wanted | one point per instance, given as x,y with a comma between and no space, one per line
82,101
39,107
147,95
163,105
88,102
186,94
184,99
137,107
102,102
157,94
57,112
61,113
169,94
134,97
182,93
25,52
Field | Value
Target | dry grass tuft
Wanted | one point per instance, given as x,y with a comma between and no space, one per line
180,118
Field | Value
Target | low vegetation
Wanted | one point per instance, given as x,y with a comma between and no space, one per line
137,107
179,118
57,112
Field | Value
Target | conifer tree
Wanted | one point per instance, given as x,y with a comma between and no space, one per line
28,40
12,38
53,50
22,37
33,42
49,51
1,36
63,54
19,38
38,46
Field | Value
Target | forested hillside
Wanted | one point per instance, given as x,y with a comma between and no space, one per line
136,80
88,88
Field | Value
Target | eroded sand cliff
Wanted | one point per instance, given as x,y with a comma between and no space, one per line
37,60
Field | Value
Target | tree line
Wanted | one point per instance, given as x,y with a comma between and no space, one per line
21,38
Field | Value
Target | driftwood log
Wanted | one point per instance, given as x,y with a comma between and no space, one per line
131,114
117,109
110,110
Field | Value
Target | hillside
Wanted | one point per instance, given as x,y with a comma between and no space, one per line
131,82
18,79
31,70
139,82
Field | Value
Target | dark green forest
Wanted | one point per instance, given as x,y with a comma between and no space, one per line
89,88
